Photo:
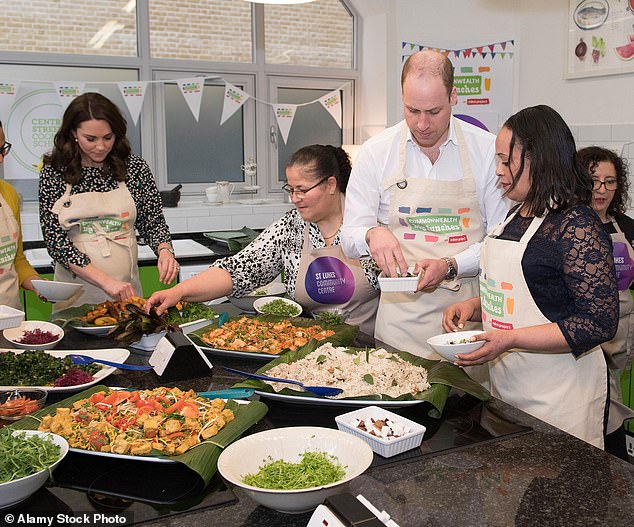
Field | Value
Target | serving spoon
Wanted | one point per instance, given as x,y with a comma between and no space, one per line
85,359
324,391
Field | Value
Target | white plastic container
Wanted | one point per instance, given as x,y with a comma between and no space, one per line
384,447
10,317
399,284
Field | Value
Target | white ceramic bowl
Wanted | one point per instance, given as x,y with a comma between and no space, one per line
245,303
56,291
260,305
13,335
246,455
399,284
448,345
411,437
18,490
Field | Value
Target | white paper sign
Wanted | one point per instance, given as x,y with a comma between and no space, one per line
234,98
133,94
67,91
192,90
332,103
284,114
8,90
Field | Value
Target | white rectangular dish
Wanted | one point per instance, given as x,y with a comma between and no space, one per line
399,284
386,447
10,317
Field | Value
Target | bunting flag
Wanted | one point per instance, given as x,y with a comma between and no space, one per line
234,99
133,93
332,102
284,114
8,89
192,90
67,91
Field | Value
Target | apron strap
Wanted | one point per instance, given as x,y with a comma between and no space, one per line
399,175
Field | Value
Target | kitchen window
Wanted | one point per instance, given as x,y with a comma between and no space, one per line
276,54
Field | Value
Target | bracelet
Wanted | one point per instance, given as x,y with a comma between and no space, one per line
164,248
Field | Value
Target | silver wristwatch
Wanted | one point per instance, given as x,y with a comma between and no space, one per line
452,272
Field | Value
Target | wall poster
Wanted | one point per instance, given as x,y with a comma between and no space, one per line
600,38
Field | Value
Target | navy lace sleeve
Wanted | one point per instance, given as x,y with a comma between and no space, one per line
569,270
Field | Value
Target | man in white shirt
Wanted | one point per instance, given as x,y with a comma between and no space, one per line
423,194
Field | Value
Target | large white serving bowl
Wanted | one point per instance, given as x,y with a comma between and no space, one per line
18,490
448,345
246,455
55,291
13,335
260,305
245,303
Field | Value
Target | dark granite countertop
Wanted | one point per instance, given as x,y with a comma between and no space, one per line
541,476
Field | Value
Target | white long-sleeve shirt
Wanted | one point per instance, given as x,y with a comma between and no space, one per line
367,205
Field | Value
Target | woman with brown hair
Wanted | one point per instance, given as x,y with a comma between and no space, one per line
93,194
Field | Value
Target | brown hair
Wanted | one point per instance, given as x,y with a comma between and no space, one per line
591,156
66,154
428,62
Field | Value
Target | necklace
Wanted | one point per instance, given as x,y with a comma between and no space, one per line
333,235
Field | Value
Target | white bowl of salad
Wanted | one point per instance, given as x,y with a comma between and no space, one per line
293,469
284,307
448,345
34,456
34,335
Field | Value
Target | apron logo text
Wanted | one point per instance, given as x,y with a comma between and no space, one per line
492,301
437,224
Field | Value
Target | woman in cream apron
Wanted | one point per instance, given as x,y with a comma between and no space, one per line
9,283
430,219
618,351
101,225
567,392
327,278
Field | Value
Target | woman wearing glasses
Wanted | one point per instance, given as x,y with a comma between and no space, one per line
304,244
15,270
609,200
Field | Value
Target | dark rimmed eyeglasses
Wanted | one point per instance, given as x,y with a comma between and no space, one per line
610,184
299,192
5,148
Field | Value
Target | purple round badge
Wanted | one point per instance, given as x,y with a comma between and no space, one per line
623,264
329,281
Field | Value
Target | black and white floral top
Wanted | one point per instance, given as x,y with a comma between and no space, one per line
150,222
279,248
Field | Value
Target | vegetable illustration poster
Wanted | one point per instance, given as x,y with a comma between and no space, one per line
483,77
600,38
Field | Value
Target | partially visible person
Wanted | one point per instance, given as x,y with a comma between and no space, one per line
304,244
423,193
548,296
610,197
15,270
93,194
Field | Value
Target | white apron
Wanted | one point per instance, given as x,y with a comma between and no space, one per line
430,219
9,235
326,277
618,351
101,225
567,392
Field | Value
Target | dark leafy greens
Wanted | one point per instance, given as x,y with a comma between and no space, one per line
36,368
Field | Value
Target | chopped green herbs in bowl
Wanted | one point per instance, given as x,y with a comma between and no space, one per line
303,464
283,307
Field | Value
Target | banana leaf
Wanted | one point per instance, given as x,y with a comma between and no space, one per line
202,458
441,375
343,336
72,315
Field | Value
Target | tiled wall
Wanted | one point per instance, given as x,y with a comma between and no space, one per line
618,137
